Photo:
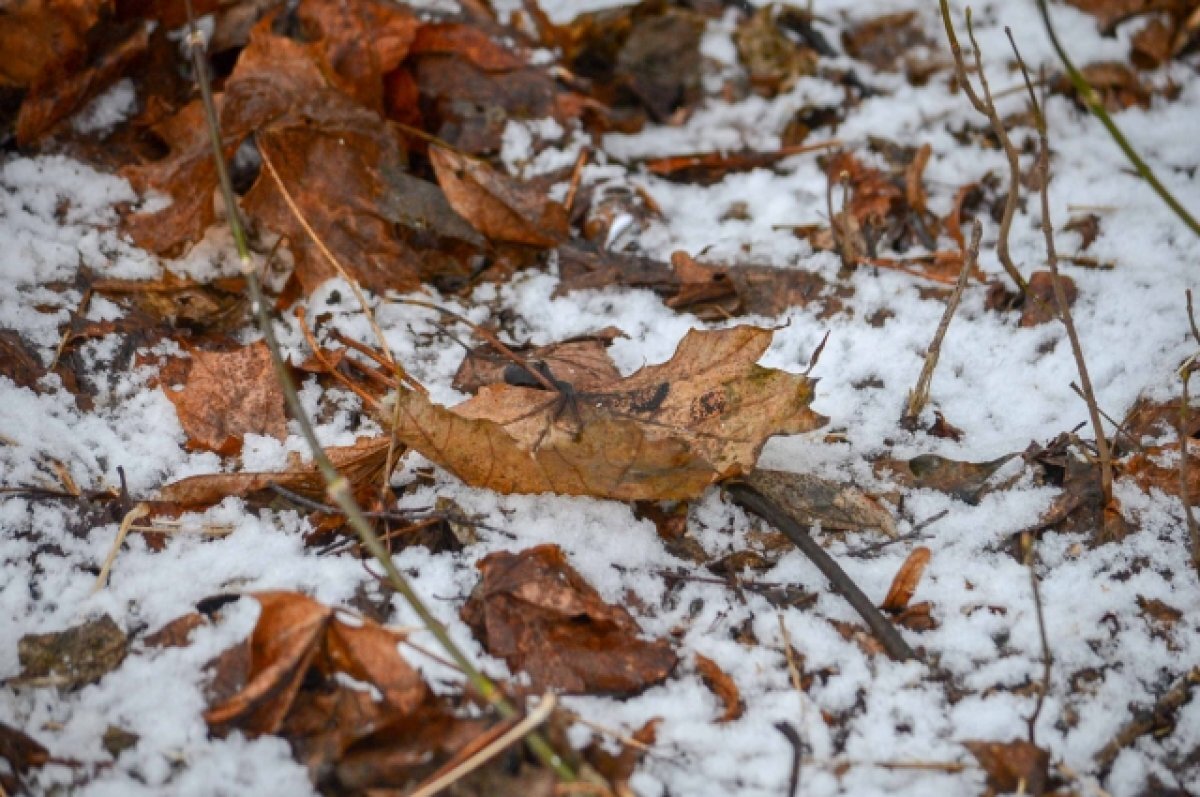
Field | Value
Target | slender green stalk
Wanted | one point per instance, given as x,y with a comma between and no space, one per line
1094,104
338,488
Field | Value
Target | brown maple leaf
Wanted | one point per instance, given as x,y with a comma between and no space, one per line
228,394
665,432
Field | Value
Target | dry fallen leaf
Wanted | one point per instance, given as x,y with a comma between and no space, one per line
362,464
721,685
904,585
1012,766
21,752
295,633
71,658
665,432
227,395
533,610
812,500
499,207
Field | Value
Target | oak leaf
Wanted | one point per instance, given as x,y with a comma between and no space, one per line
664,433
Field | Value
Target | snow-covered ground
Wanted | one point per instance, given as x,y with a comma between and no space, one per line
1004,386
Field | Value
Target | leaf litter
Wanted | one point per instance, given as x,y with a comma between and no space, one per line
379,143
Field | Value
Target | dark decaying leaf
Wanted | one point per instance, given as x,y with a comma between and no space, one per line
72,658
533,610
966,481
18,361
22,753
1012,766
660,61
664,433
52,98
813,500
712,292
721,685
884,41
227,395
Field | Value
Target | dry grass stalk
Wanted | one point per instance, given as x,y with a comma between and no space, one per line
919,397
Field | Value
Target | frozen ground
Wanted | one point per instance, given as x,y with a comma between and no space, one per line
1004,386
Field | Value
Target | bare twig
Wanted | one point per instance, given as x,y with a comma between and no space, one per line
1186,370
1146,721
1064,309
338,488
985,106
920,394
750,499
1029,544
1096,105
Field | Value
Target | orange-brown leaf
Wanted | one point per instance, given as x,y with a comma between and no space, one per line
1012,765
665,432
721,685
501,208
284,643
228,395
362,464
904,585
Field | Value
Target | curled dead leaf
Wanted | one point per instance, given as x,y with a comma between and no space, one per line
721,685
499,207
537,613
904,585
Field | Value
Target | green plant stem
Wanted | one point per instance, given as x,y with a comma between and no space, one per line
337,486
1090,99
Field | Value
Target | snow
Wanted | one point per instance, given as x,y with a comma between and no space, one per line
1003,385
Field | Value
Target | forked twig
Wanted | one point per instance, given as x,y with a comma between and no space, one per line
987,108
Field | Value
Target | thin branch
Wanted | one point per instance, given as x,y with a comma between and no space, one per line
1095,104
1029,543
1060,299
1146,721
338,488
988,109
753,501
919,396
